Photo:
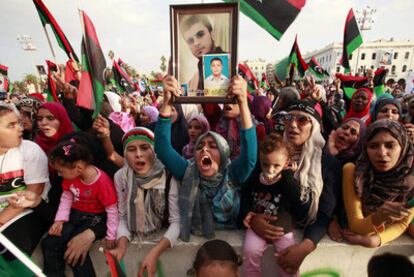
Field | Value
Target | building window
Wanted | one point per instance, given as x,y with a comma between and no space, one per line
407,54
350,57
395,55
330,57
363,56
404,68
338,69
374,56
393,69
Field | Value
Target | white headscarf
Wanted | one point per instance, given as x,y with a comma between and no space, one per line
113,99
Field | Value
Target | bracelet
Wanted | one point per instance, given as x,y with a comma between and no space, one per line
101,136
165,115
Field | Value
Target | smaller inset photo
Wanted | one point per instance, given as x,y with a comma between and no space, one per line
216,74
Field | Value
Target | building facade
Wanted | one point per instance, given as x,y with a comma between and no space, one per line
396,56
257,66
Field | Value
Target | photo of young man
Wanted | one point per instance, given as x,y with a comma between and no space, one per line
217,80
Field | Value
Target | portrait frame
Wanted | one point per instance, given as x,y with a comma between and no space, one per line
187,61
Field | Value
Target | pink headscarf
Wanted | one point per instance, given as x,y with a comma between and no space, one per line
188,150
123,120
152,113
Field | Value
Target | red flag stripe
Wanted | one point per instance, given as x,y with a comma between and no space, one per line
298,4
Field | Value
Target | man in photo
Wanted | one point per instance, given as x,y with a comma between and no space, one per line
198,33
216,79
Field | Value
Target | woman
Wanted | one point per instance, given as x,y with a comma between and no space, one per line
28,107
345,142
148,114
53,122
387,108
377,188
262,109
147,200
319,177
208,194
197,125
23,166
360,105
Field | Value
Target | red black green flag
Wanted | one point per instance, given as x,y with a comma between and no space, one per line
351,83
116,269
47,18
252,82
3,70
91,87
51,90
295,58
274,16
316,69
352,39
122,79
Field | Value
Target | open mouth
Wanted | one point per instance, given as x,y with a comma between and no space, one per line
140,165
227,108
206,162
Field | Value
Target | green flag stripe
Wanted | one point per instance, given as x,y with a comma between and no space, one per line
354,44
257,17
349,91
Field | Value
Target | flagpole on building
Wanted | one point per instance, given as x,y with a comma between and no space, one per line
50,44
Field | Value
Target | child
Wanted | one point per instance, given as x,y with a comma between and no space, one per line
87,194
216,258
197,125
269,194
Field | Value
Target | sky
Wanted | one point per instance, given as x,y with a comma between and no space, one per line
138,31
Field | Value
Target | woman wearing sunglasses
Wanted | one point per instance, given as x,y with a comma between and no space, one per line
318,174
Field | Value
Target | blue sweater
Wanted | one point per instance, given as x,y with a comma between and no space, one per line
240,169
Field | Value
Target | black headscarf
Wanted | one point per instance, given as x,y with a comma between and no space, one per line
179,130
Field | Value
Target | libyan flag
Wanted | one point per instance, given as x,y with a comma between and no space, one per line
295,58
351,83
47,18
91,87
316,69
274,16
51,90
123,82
252,82
352,39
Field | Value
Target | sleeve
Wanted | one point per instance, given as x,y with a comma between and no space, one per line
242,167
80,116
65,205
111,221
122,230
364,225
35,164
173,230
165,152
107,193
353,205
331,173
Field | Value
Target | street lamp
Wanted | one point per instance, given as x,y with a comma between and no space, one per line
365,20
27,45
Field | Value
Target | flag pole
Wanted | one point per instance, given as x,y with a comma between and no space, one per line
50,44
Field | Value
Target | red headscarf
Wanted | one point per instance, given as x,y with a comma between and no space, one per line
364,115
65,127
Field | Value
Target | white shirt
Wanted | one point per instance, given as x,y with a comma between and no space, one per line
211,82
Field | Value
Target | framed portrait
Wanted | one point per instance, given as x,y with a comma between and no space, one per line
204,50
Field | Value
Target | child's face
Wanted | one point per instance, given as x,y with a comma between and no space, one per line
273,163
67,172
217,269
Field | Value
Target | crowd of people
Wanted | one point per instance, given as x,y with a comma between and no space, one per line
293,158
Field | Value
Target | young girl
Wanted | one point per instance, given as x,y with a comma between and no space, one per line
272,193
87,194
216,258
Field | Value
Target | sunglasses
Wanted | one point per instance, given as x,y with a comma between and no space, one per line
299,119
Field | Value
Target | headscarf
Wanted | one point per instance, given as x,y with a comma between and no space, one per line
65,127
319,92
113,100
123,120
229,129
364,115
260,108
146,194
397,184
352,153
379,104
179,130
309,171
204,201
152,113
188,150
30,105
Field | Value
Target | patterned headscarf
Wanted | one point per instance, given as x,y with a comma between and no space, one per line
152,113
396,184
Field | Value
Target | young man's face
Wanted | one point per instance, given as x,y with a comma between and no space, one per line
216,68
199,39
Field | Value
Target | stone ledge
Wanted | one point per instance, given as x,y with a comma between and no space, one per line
347,260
